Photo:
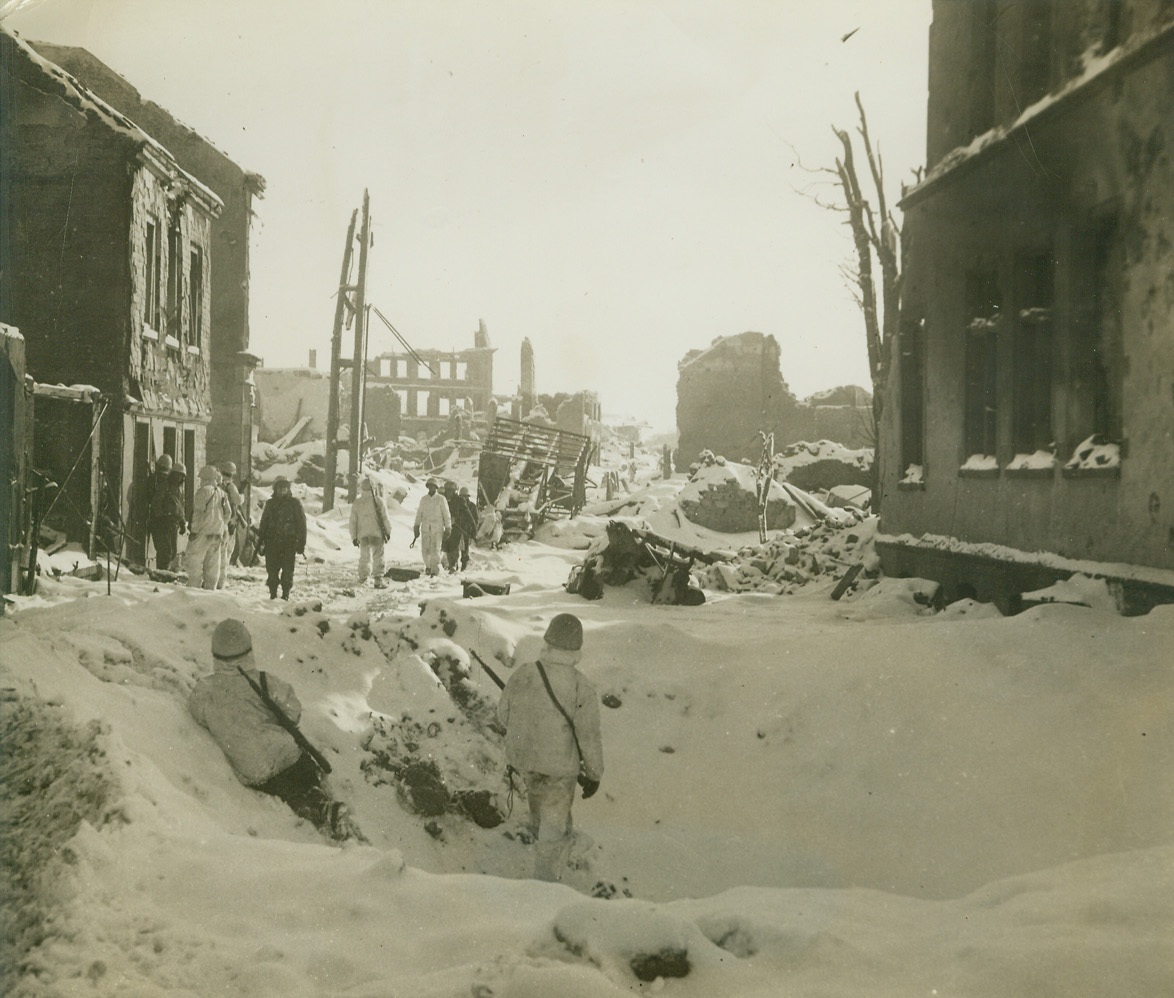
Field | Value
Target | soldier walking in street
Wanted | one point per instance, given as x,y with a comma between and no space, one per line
282,536
551,716
210,515
370,531
235,520
433,522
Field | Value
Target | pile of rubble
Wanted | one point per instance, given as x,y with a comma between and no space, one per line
786,563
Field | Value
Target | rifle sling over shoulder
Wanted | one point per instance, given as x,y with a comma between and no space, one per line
561,710
283,719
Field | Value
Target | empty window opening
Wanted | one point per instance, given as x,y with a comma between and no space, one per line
154,259
1032,355
196,298
1112,36
984,31
1036,58
983,302
171,319
912,401
1097,364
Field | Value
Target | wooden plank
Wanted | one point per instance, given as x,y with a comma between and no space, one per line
847,580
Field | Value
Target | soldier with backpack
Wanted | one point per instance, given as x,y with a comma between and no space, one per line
210,515
282,536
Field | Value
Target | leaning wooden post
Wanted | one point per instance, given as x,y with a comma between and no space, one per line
335,356
355,447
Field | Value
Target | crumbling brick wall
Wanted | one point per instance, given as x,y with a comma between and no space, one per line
727,394
730,509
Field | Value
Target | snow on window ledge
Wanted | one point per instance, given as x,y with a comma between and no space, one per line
171,341
1039,464
150,334
194,350
914,479
1095,452
980,466
1094,457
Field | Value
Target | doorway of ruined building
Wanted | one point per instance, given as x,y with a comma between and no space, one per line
139,533
189,463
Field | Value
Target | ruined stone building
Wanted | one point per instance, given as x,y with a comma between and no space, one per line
431,385
731,391
289,395
230,431
105,260
1032,404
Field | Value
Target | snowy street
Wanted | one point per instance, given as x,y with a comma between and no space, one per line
800,795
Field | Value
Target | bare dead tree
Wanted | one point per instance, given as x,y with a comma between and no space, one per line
875,236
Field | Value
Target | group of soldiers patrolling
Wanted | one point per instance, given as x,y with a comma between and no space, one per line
215,529
445,525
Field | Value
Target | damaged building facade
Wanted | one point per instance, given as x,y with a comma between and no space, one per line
230,430
106,261
728,393
430,386
1033,394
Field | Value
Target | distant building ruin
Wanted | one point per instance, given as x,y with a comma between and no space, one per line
729,392
418,394
432,385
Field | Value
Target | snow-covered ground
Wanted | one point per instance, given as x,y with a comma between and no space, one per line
801,796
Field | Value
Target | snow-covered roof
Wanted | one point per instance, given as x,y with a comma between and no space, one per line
97,110
58,53
1140,46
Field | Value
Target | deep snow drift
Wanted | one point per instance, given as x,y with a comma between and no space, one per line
801,796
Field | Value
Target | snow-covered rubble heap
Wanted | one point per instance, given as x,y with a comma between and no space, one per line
433,735
794,559
722,495
823,465
299,463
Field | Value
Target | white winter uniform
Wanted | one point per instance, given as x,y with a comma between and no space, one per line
255,743
229,541
371,532
434,520
210,515
538,743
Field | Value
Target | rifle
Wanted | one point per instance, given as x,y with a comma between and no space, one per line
283,719
492,675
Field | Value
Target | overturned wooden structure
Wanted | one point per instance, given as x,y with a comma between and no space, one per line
532,473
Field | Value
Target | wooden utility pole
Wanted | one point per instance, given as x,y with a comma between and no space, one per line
358,367
341,306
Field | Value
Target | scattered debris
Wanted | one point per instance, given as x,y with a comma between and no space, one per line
627,552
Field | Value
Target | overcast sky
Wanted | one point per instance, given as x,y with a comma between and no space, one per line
620,182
